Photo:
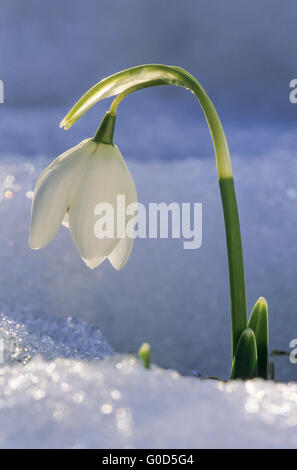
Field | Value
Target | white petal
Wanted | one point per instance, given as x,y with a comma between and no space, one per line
53,192
106,177
94,262
120,255
65,220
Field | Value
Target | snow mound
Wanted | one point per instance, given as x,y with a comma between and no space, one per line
25,337
115,403
175,299
61,386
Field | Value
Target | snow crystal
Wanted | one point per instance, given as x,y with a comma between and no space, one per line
61,394
175,299
115,403
49,338
54,383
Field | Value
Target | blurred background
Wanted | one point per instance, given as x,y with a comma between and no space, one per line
244,54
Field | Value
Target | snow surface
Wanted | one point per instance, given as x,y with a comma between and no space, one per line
54,388
55,391
175,299
51,396
50,338
115,403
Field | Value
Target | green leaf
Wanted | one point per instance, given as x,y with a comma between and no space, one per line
144,354
258,322
245,362
143,76
132,79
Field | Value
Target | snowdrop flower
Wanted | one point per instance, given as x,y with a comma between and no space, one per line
70,188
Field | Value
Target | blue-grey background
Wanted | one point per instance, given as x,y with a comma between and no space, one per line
244,54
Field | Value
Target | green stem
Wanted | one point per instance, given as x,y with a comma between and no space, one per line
235,260
230,210
128,91
127,81
231,217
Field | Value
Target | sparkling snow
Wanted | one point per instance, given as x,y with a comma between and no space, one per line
115,403
175,299
51,396
55,391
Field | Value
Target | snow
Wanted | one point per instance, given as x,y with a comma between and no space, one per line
56,391
175,299
50,338
60,381
115,403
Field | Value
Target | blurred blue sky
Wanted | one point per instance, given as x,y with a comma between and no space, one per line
244,54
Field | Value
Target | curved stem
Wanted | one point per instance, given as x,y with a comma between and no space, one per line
231,218
127,81
114,105
132,89
230,210
235,260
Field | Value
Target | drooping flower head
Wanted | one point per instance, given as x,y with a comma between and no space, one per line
71,187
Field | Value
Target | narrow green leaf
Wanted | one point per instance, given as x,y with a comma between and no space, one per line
134,78
144,354
258,322
245,362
